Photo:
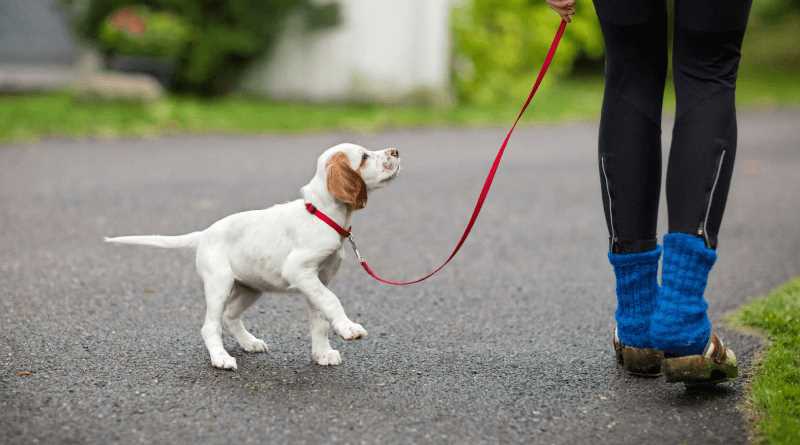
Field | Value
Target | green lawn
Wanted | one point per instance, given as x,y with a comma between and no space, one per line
775,392
32,117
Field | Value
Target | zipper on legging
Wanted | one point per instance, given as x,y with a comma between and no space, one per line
703,229
607,190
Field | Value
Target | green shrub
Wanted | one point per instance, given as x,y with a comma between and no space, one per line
773,11
771,40
139,31
225,35
501,43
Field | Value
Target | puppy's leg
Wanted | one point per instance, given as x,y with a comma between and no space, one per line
218,285
321,350
242,298
305,279
328,304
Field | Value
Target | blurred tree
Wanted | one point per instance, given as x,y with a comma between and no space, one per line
774,10
136,30
225,35
771,41
500,43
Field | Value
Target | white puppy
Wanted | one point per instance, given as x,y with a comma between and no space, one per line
283,248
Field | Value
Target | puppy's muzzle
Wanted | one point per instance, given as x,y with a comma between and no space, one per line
392,161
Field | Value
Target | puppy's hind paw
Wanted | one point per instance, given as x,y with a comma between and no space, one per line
255,345
331,357
224,362
349,330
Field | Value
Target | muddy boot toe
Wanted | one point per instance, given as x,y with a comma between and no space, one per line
717,364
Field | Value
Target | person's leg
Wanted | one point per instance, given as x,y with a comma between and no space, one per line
635,37
706,52
706,48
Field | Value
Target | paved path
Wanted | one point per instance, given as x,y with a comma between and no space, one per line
509,344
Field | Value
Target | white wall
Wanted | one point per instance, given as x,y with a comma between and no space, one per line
383,50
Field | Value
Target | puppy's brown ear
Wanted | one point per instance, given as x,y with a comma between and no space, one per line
345,184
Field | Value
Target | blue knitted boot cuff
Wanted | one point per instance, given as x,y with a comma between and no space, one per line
680,325
637,289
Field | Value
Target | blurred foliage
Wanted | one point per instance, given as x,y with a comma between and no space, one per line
772,45
773,11
225,35
139,31
501,43
771,42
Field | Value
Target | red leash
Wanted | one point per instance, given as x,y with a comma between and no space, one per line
484,191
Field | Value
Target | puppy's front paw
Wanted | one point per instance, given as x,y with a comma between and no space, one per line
349,330
331,357
254,345
224,362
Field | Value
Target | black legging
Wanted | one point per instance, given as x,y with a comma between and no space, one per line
706,49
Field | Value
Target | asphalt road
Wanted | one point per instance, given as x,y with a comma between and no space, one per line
509,344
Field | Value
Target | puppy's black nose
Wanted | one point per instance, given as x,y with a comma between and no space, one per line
393,152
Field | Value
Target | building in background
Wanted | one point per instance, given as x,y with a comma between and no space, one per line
382,51
37,49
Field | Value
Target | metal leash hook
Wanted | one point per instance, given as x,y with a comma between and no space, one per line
352,240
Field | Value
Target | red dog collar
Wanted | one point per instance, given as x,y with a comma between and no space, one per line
345,233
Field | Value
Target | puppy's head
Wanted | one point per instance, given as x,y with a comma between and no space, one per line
351,171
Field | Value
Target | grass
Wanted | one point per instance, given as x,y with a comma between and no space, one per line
775,391
32,117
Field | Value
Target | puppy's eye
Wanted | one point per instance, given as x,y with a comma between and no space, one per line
364,157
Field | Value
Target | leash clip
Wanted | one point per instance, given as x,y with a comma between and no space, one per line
355,248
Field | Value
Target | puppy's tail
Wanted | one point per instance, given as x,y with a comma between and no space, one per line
190,240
